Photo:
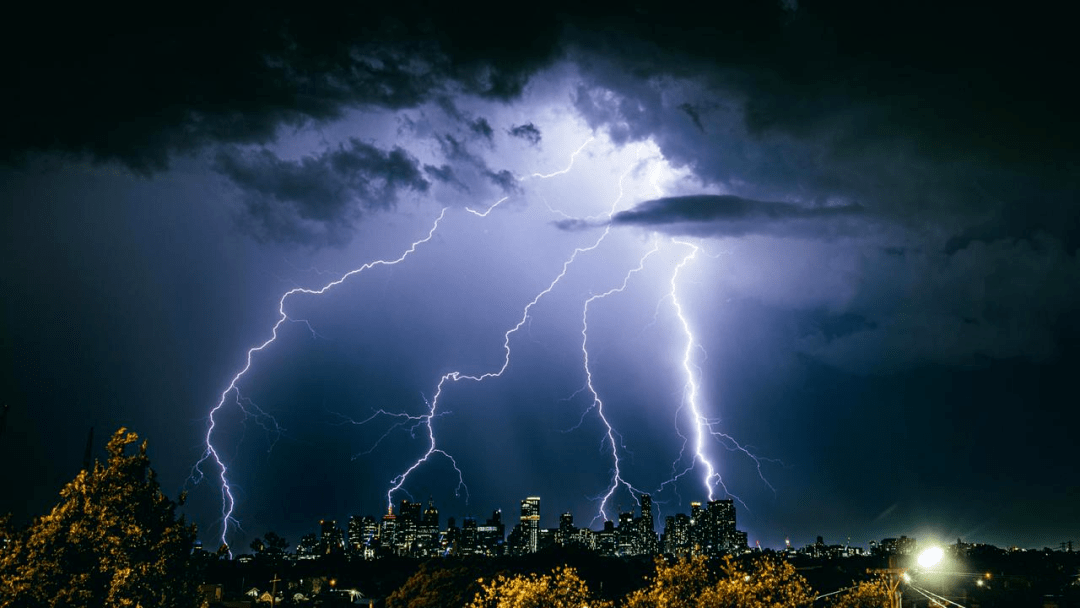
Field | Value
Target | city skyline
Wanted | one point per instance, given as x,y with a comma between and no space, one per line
820,257
354,532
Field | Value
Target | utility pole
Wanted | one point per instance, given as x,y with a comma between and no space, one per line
273,590
893,576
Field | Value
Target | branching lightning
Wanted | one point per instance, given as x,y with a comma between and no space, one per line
398,482
611,443
703,426
597,403
456,376
228,501
692,371
568,167
563,171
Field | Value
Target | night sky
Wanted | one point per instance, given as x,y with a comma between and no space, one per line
866,216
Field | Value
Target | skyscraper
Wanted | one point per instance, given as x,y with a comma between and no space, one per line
388,531
719,532
331,538
647,530
530,522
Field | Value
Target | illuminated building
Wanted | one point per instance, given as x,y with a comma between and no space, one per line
530,523
363,532
331,538
492,535
388,531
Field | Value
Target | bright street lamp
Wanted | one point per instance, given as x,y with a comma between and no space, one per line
930,557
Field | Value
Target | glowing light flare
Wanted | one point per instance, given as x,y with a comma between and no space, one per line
931,557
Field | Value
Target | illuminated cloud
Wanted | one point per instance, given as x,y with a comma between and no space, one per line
718,215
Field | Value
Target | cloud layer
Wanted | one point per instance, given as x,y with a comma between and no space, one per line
316,199
719,215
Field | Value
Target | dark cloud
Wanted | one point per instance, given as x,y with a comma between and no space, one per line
727,215
840,80
835,101
527,131
114,86
445,174
694,115
481,127
985,302
477,126
457,151
504,180
316,199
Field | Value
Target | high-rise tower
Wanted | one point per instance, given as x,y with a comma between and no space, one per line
530,522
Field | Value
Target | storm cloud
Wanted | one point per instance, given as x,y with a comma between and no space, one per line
718,215
527,132
883,198
316,200
112,85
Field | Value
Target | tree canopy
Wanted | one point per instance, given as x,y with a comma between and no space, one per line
687,583
873,593
113,540
563,588
761,582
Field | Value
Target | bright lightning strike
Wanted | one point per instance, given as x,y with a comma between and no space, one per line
597,403
692,371
456,376
423,423
398,482
702,425
228,501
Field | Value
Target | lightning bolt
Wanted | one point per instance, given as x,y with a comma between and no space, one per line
398,482
568,167
703,426
597,403
211,453
692,371
423,423
456,376
485,212
564,171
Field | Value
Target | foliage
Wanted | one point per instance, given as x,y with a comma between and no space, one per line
766,583
436,587
113,540
677,585
563,588
271,546
688,583
873,593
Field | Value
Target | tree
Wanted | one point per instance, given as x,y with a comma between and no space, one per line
766,583
677,585
113,540
688,583
563,588
874,593
271,547
436,585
